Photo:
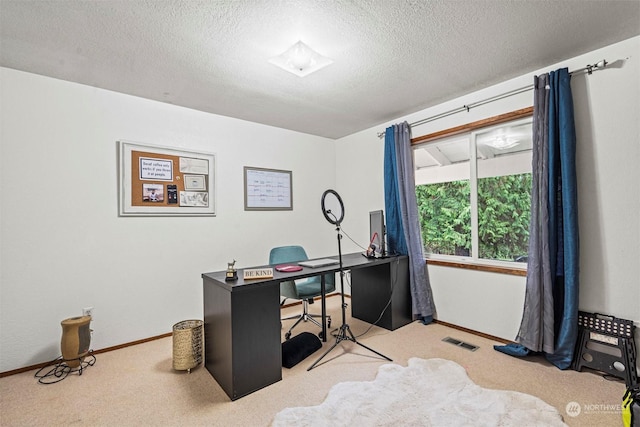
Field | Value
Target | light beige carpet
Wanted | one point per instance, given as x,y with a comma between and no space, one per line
137,386
432,392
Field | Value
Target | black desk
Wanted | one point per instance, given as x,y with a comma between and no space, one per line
242,333
381,284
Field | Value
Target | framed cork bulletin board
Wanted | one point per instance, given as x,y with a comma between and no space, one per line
163,181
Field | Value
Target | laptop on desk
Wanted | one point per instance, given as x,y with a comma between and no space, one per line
318,262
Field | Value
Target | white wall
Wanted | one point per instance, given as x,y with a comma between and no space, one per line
607,110
63,246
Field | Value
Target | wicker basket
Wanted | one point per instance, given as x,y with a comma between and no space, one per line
187,344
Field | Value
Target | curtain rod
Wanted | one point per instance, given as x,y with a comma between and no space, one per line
589,69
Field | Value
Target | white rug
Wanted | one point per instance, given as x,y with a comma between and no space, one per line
434,392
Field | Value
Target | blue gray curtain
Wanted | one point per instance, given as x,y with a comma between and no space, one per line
402,220
550,316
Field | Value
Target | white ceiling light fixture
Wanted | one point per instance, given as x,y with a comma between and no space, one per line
300,60
502,142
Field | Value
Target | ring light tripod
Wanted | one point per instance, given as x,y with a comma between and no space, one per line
333,211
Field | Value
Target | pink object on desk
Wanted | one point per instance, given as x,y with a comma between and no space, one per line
288,268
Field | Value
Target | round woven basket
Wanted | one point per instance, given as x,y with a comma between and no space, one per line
187,344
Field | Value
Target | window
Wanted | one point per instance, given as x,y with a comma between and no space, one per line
474,193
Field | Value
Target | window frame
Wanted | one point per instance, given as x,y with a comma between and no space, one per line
471,129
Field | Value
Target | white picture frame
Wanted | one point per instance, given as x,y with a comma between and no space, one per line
164,166
195,182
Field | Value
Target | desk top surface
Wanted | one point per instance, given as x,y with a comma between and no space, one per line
349,262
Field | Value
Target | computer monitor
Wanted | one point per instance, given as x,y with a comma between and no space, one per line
377,233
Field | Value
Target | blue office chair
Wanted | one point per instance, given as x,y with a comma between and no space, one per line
303,289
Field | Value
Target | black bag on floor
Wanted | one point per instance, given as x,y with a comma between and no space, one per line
299,348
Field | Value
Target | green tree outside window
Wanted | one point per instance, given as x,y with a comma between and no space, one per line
504,212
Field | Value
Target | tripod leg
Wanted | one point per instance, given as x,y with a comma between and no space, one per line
322,357
353,338
372,350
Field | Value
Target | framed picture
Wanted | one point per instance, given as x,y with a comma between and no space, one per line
195,182
267,189
150,178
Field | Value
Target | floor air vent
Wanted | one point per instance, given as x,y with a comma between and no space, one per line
462,344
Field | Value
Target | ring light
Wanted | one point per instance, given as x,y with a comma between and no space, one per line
332,207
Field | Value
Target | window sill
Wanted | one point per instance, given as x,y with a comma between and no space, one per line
514,271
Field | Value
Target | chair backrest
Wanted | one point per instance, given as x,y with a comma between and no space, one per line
285,254
293,254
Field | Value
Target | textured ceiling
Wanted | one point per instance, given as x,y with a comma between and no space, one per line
391,57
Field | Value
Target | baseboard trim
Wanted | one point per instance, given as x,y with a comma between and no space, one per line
168,334
102,350
472,332
120,346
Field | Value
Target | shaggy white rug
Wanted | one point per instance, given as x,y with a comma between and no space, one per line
434,392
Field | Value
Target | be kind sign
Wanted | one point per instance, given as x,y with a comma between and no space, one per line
257,273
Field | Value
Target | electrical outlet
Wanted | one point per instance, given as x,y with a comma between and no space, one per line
87,311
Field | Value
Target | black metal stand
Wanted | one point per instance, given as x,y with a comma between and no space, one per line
344,332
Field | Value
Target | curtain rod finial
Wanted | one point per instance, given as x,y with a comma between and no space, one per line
597,65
